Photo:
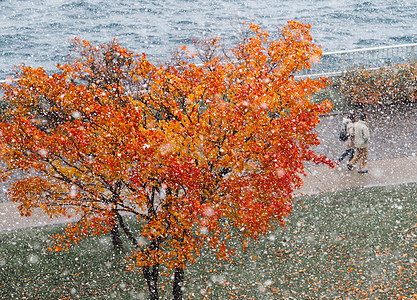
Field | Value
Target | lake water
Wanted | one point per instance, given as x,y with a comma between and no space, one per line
39,32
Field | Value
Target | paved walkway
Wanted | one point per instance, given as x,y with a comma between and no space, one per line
319,179
10,218
322,179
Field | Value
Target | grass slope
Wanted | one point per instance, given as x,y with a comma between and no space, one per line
351,244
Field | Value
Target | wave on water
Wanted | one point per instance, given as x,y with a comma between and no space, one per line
38,33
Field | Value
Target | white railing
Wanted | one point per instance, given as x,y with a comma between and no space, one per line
338,62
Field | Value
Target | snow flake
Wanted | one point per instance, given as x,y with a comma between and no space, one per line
33,259
73,191
76,114
203,230
9,80
43,152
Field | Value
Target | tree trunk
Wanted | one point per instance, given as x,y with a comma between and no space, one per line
115,235
178,283
151,276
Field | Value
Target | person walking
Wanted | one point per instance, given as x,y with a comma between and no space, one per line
347,137
361,139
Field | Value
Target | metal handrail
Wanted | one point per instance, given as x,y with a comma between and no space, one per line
370,49
339,62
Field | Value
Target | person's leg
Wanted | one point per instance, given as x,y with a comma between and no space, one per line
360,160
363,160
365,157
358,157
354,159
351,154
342,157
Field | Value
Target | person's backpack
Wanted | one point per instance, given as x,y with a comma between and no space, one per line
343,134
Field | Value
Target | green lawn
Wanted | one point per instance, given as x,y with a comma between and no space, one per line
354,244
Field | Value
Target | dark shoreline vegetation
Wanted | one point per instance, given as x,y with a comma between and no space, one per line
356,244
388,87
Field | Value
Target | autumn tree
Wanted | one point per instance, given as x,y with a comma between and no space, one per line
192,151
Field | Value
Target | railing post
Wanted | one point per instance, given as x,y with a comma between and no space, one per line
412,53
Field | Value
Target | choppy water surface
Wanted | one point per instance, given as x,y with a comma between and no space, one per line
39,32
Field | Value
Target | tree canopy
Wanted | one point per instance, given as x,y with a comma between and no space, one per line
191,150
